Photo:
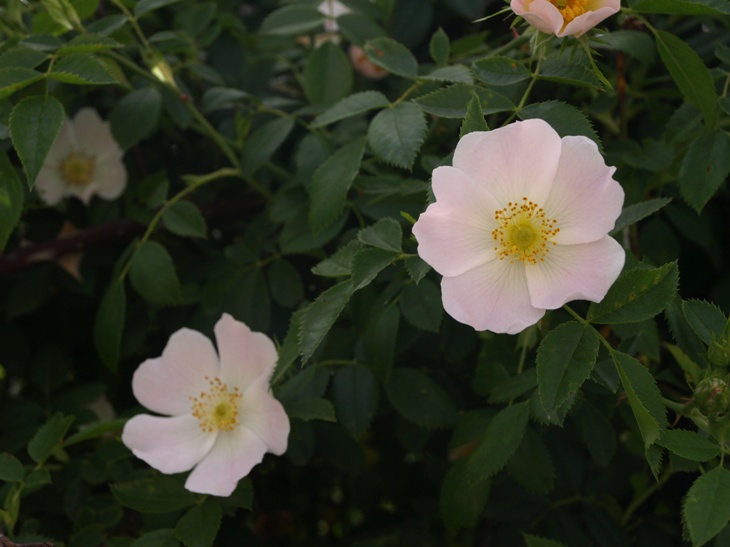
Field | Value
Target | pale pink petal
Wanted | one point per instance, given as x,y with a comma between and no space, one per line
514,161
599,10
110,177
165,384
541,14
261,413
493,296
94,135
245,356
232,457
50,185
575,272
455,233
585,199
170,445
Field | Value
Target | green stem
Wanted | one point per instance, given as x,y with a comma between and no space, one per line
406,93
641,498
527,92
585,322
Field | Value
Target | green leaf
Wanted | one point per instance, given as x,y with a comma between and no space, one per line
11,470
14,78
379,342
153,275
565,359
63,13
597,433
80,69
634,213
263,142
199,526
367,264
421,305
22,57
531,465
331,182
439,47
474,119
706,509
683,7
355,104
535,541
462,500
34,125
564,72
183,218
315,408
285,283
385,234
396,134
135,116
163,537
452,101
109,324
689,445
692,371
11,199
327,75
157,494
355,394
704,168
419,399
500,71
689,73
95,430
321,315
392,56
564,118
48,438
637,295
340,263
292,21
511,387
705,319
417,268
456,74
89,43
643,395
146,6
632,42
499,443
218,98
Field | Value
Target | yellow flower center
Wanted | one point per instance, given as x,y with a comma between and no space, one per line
570,9
523,233
217,408
77,169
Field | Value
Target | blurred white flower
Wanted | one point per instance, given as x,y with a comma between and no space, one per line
222,415
85,160
520,225
332,9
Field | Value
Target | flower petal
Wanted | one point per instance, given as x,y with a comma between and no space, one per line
50,185
493,296
454,234
245,356
170,445
231,458
94,135
598,10
514,161
261,413
541,14
575,272
110,176
585,199
166,384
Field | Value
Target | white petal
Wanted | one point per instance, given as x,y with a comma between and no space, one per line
575,272
232,457
110,177
166,384
94,135
246,357
512,162
49,184
261,413
170,445
585,199
492,297
454,234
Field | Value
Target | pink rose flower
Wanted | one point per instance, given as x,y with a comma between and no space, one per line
520,226
565,17
365,66
83,161
222,417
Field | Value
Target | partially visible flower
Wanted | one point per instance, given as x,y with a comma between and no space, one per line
85,160
332,9
520,226
565,17
365,66
223,417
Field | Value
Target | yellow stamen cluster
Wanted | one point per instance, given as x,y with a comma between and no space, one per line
77,169
217,408
570,9
523,233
